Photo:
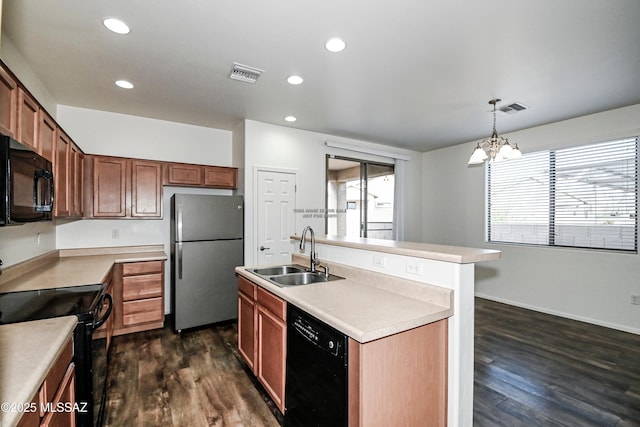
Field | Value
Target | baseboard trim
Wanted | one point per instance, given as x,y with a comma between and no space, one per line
560,314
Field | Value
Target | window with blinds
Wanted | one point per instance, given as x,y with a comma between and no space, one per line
584,197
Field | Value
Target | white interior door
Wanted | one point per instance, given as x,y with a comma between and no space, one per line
275,216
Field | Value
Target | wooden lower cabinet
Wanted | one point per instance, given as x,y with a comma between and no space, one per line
400,380
262,337
55,403
247,322
138,296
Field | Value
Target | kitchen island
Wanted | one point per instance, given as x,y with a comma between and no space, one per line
430,265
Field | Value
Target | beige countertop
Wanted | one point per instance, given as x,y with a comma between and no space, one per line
366,305
73,267
27,352
455,254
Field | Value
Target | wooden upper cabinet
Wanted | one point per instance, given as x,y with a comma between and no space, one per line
201,175
123,188
8,103
146,188
76,171
184,174
28,119
47,136
109,186
61,175
215,176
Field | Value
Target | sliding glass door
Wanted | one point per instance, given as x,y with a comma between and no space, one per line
359,199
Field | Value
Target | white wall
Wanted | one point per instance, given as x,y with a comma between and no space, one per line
115,134
594,286
275,146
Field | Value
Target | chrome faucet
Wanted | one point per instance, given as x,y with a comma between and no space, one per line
313,256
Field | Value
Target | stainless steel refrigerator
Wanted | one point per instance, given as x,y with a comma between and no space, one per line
206,246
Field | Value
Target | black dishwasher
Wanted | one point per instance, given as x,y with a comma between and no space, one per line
316,381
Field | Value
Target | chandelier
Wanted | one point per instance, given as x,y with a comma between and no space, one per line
496,147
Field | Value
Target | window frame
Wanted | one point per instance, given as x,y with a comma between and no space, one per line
553,217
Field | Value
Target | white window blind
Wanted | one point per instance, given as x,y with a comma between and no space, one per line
583,197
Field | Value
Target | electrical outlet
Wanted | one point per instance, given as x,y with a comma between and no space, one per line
379,261
635,299
414,267
115,234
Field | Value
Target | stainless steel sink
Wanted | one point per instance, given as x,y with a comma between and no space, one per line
279,270
297,279
292,275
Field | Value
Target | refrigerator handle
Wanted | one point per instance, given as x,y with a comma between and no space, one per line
179,241
179,261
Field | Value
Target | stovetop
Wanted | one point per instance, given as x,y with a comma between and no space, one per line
24,306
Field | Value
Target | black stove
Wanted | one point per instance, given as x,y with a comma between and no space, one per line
23,306
87,303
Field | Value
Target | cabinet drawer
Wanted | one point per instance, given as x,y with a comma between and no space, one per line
56,373
144,286
147,267
142,311
245,286
274,304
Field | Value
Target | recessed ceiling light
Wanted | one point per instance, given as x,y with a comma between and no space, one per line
116,25
290,119
295,80
124,84
335,45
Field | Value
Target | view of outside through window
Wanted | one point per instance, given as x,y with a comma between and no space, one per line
579,197
361,195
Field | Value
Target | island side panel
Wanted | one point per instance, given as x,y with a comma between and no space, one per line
400,380
460,278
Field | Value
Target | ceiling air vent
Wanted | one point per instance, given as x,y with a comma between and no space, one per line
244,73
513,108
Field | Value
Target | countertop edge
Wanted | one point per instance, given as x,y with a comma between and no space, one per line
446,253
362,336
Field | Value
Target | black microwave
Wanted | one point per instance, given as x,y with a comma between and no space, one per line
26,184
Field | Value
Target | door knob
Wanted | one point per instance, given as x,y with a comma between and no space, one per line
262,248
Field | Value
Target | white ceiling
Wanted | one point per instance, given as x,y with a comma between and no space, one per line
415,74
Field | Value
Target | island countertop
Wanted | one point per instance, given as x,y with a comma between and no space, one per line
365,305
447,253
27,353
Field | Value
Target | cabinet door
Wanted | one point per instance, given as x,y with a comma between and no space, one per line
184,174
272,355
75,181
27,120
65,398
247,329
109,187
61,175
47,136
8,104
146,189
219,177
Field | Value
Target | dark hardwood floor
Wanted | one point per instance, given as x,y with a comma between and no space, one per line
159,378
531,369
534,369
